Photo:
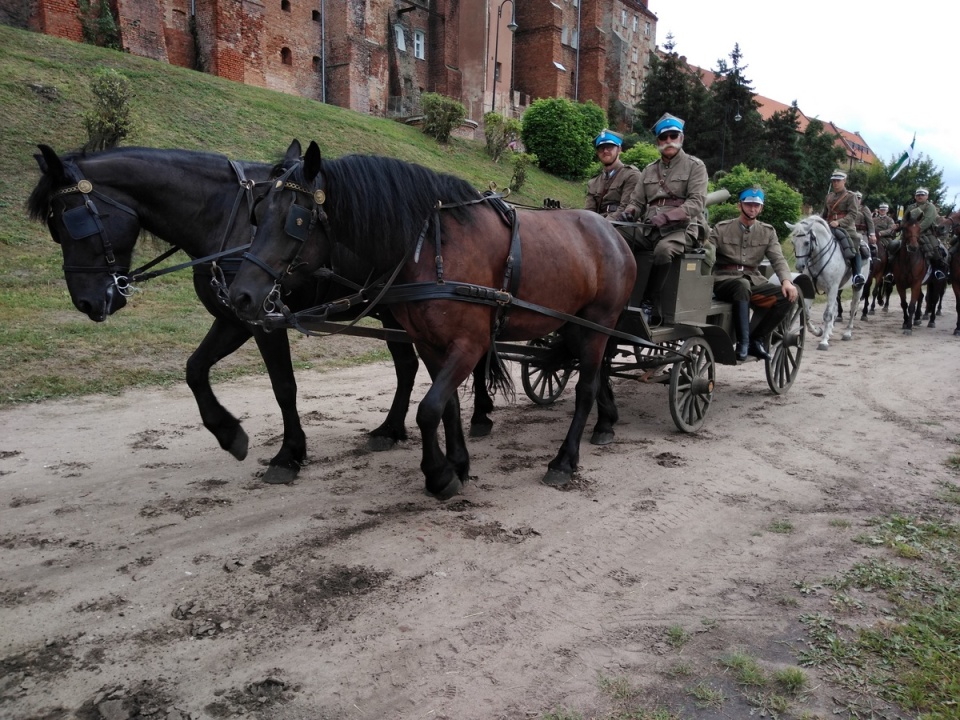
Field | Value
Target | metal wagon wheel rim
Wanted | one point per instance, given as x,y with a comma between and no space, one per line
786,343
691,385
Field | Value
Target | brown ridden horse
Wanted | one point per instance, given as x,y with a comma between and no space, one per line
455,274
877,290
909,267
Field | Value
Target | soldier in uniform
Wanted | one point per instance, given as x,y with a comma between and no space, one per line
925,212
609,192
669,198
840,210
886,229
865,225
742,243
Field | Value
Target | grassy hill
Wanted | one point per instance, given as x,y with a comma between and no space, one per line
49,349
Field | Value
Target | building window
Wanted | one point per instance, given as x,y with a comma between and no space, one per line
633,87
563,35
635,56
636,22
401,43
419,44
646,28
496,72
574,39
316,63
286,57
623,18
285,5
316,16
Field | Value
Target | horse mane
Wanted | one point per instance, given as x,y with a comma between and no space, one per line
378,206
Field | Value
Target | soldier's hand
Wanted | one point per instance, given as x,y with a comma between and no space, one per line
659,220
625,216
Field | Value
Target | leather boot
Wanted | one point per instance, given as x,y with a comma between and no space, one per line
658,278
773,317
856,265
741,323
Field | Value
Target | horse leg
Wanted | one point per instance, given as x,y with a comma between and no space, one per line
275,350
865,292
222,339
444,473
956,291
607,414
907,311
480,423
829,317
854,304
917,308
592,347
393,428
839,307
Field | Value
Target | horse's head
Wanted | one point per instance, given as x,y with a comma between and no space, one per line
910,233
287,245
96,232
809,235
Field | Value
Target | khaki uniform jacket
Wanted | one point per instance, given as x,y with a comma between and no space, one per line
663,187
885,226
865,221
747,247
928,220
609,195
843,208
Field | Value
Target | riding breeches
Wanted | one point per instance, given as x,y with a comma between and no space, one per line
673,243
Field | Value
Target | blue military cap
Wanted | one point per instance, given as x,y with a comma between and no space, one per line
752,195
607,137
668,122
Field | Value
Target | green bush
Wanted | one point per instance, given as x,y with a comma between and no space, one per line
108,121
441,115
98,25
521,161
781,202
560,133
499,132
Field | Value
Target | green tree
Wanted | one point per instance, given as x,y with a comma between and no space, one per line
782,135
820,155
781,202
441,115
98,25
499,133
732,112
560,133
670,86
109,120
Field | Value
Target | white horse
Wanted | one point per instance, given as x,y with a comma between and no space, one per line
820,256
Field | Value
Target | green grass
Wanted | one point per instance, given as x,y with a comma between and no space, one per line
47,348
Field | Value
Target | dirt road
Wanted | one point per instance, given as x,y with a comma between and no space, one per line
148,574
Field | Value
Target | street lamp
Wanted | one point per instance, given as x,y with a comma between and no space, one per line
512,27
723,132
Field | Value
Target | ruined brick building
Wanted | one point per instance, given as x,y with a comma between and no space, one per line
378,56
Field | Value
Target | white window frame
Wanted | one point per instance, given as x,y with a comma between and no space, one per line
574,38
646,29
623,18
636,22
401,42
419,44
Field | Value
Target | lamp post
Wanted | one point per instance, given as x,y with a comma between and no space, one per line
512,27
723,133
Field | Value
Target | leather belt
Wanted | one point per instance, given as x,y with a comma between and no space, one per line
672,202
741,268
837,216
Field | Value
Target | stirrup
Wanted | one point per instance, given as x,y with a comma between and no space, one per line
939,275
859,281
888,277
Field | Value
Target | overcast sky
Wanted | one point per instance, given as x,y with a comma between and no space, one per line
884,69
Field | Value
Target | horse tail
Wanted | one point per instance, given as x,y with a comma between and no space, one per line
499,381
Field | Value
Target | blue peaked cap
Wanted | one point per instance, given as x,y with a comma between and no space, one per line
754,195
606,137
668,122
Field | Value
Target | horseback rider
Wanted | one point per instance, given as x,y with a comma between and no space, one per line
887,229
742,243
670,197
925,213
840,210
608,193
865,225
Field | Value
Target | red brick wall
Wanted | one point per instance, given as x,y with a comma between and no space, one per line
59,18
141,28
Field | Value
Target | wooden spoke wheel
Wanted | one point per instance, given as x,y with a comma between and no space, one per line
785,344
543,384
691,385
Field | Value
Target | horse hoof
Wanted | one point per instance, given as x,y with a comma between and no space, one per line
238,448
380,443
908,331
557,478
279,475
453,487
956,333
604,437
479,430
846,336
823,346
872,312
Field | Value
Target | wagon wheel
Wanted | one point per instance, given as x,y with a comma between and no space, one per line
786,349
691,385
541,383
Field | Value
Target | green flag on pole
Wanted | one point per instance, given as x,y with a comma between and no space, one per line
905,159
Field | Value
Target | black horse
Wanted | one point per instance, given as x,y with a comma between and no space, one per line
96,206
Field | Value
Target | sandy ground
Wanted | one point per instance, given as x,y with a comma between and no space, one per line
145,573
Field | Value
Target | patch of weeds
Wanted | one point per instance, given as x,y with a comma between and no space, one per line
561,714
788,601
677,637
781,526
839,523
845,605
951,493
792,680
707,697
805,588
618,688
680,669
769,704
908,656
746,669
953,462
710,623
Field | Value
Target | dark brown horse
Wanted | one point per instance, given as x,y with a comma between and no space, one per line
95,206
909,267
877,291
456,274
